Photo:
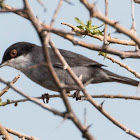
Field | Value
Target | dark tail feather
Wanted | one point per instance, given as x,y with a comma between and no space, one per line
117,78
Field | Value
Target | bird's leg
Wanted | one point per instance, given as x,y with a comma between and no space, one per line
77,95
77,92
45,98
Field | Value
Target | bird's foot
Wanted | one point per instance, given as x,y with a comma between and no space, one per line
77,95
45,98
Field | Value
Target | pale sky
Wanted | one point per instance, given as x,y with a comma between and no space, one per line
32,120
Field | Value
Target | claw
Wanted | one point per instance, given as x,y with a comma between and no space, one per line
45,96
77,95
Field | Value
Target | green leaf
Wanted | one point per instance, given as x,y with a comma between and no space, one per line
96,26
88,29
93,29
81,27
8,101
80,22
103,54
2,5
89,22
3,103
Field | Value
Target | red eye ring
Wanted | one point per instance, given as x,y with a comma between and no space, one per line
13,53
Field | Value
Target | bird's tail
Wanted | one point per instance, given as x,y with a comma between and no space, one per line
121,79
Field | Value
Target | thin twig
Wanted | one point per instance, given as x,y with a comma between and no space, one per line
85,116
20,135
122,54
21,13
89,97
100,37
69,2
121,64
11,10
100,108
36,101
83,128
124,97
95,13
56,13
109,38
137,1
45,40
42,4
133,27
7,87
105,30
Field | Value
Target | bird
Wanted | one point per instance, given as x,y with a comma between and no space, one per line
30,60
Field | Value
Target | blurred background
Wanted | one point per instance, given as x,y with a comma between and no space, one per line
31,119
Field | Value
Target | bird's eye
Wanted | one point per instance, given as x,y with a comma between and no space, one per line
13,53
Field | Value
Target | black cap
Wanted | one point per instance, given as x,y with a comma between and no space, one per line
17,49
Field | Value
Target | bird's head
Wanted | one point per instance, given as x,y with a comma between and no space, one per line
17,55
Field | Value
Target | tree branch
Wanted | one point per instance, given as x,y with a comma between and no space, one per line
114,24
137,1
89,98
79,83
7,87
11,10
20,135
105,30
133,28
121,54
45,40
36,101
21,13
125,97
121,64
100,37
4,132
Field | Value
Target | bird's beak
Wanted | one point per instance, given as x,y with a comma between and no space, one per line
3,64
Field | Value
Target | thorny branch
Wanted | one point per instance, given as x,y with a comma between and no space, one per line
123,54
45,40
137,1
75,29
89,98
36,101
121,64
4,132
11,10
7,88
133,28
42,4
20,135
100,37
96,105
95,13
124,97
105,30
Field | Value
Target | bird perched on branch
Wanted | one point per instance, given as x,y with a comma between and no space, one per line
29,59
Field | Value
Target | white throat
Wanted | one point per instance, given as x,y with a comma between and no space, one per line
20,63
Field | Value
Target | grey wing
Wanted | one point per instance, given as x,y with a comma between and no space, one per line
73,59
